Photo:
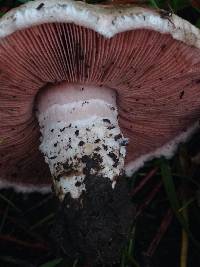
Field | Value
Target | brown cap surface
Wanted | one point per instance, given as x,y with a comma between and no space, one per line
152,62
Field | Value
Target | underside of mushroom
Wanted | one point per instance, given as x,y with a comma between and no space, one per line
95,91
155,79
151,63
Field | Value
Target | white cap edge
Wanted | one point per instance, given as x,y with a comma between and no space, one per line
107,21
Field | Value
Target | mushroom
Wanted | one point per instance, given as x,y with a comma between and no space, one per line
107,88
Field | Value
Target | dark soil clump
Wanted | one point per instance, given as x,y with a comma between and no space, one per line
96,226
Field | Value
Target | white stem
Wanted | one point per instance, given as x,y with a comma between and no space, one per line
81,138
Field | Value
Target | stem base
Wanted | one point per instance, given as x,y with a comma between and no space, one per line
95,226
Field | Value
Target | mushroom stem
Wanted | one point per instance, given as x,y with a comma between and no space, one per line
80,136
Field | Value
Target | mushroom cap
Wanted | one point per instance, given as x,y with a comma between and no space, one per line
151,60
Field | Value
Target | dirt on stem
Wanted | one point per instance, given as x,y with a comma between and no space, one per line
96,226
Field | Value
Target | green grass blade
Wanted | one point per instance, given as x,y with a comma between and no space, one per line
198,23
41,222
173,199
153,3
131,242
197,9
133,261
169,184
123,259
4,217
10,203
11,260
75,263
52,263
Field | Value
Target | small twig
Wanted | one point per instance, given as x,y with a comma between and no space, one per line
41,222
184,234
160,233
149,199
144,181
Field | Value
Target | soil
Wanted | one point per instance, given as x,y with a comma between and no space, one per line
96,226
